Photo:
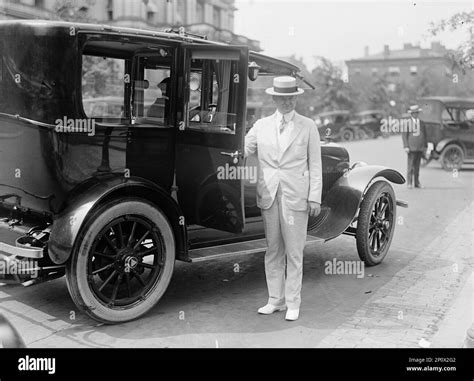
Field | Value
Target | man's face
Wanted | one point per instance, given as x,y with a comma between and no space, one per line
285,104
414,115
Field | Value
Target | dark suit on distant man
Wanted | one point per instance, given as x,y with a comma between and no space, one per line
415,144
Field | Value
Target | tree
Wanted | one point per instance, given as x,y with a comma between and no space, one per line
73,10
332,91
462,57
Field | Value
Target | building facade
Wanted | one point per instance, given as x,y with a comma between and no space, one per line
211,18
401,65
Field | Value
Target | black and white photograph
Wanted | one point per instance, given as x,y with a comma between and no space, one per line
246,174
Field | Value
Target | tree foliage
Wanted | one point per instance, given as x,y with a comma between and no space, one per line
462,57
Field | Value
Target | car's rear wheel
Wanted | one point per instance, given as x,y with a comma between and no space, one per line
360,134
370,133
452,157
123,261
347,135
376,223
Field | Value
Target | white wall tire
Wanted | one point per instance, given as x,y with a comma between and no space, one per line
108,243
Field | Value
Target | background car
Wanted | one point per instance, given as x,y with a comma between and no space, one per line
369,121
450,130
336,126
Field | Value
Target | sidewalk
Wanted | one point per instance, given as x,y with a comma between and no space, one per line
423,304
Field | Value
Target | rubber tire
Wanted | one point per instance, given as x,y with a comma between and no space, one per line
362,232
360,134
442,157
370,133
76,267
351,135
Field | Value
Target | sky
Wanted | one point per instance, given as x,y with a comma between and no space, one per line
339,30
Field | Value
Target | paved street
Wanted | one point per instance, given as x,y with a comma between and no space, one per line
421,290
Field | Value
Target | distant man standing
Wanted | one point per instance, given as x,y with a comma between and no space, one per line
415,144
289,188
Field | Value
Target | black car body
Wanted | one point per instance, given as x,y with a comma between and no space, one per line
114,206
370,122
449,125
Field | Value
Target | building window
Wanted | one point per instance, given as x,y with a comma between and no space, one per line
39,3
150,17
200,11
374,71
216,19
393,70
182,12
357,71
110,10
413,70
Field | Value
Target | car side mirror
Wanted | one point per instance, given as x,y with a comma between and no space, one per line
9,337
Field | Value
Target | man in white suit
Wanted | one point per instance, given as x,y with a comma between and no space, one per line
289,188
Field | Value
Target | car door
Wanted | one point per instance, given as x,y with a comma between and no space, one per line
211,122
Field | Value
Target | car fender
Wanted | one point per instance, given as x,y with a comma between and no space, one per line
342,202
67,225
441,145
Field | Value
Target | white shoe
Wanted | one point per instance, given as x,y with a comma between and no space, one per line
270,308
292,314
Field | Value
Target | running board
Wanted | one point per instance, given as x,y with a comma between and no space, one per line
234,249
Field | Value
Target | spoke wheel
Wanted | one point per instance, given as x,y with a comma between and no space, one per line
347,135
126,259
376,223
123,261
452,157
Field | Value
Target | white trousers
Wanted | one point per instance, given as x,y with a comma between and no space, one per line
285,232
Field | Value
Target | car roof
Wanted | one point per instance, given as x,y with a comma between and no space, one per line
368,112
336,112
451,101
269,65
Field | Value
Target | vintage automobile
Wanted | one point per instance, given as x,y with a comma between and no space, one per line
112,201
337,126
369,121
450,130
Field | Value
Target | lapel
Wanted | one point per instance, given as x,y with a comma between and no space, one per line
297,128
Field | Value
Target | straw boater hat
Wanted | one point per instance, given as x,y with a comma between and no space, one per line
284,86
414,108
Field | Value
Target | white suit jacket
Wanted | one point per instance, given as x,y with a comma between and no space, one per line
297,169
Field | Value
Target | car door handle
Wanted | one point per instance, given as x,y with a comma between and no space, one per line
234,155
231,154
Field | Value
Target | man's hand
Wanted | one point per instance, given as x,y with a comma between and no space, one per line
314,208
407,149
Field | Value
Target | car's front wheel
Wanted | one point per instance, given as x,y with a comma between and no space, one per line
347,135
123,261
376,223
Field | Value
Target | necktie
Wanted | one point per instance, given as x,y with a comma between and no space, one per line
283,124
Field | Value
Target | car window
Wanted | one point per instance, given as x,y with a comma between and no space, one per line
467,115
447,116
152,89
103,87
212,102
